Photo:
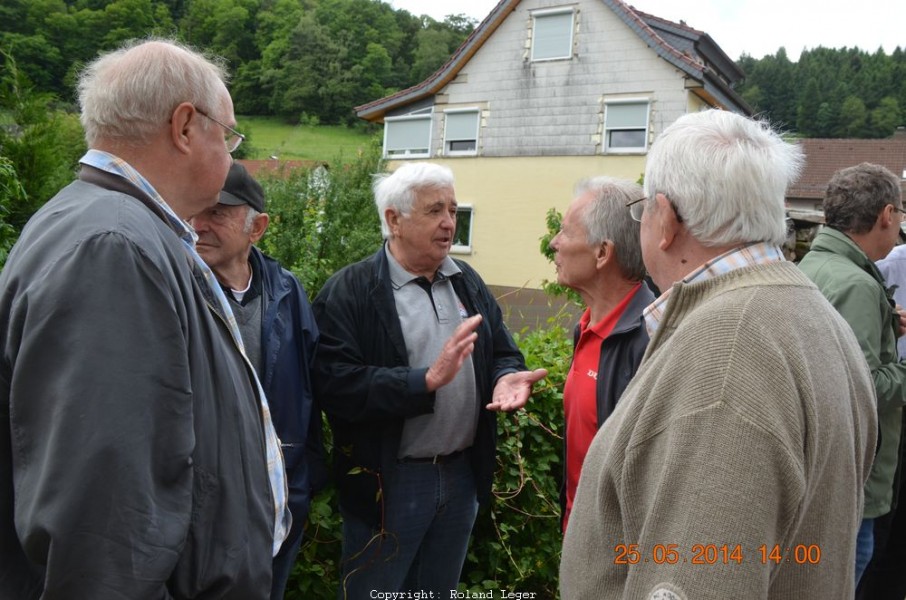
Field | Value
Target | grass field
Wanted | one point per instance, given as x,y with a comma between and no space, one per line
269,136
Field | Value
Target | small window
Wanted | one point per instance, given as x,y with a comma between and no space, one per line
407,137
552,35
461,132
626,127
462,238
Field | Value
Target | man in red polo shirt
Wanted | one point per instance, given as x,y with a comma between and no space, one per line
598,254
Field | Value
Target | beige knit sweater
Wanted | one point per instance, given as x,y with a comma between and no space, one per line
745,437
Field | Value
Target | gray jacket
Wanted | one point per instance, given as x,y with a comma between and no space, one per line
132,461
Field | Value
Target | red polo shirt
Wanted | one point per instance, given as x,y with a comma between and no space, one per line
580,393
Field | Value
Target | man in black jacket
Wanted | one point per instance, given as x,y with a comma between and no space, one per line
413,364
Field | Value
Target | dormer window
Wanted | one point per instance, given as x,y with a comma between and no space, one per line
552,34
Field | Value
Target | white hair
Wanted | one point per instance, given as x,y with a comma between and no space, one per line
127,94
250,215
606,217
398,190
726,176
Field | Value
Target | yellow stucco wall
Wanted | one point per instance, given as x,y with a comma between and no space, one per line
510,198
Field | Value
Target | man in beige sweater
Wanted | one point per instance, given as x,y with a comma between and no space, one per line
733,466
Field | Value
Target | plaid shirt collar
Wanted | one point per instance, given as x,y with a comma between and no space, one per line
757,253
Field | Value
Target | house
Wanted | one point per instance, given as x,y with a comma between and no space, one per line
824,157
544,93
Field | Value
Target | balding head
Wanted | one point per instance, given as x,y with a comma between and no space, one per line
126,95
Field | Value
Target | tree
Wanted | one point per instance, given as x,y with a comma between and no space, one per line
312,75
289,57
807,112
436,42
853,117
825,121
376,70
432,50
886,117
42,63
834,92
225,27
773,75
42,144
11,193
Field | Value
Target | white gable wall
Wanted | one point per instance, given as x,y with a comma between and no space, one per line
554,108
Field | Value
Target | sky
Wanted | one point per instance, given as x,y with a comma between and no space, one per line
753,27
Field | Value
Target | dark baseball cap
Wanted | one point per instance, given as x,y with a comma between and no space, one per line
241,188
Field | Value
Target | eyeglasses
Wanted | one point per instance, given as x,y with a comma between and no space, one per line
636,209
232,138
899,210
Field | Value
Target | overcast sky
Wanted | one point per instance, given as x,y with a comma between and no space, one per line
753,27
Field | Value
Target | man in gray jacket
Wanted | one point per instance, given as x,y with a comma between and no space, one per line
137,456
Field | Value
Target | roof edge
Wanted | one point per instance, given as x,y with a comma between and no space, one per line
374,111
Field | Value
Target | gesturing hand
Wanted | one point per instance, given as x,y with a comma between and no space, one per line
453,354
513,389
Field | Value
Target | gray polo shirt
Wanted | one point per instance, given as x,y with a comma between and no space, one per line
429,313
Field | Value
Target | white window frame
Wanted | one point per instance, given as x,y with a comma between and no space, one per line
408,152
465,249
608,149
447,139
553,12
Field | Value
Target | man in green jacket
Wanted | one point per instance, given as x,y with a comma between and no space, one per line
863,211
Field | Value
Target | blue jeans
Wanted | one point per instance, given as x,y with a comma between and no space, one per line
865,542
429,512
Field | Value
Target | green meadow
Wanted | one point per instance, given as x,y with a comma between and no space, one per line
271,137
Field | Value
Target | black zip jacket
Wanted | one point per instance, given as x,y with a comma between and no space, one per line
367,388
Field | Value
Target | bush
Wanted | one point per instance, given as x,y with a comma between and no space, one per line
11,192
323,219
516,544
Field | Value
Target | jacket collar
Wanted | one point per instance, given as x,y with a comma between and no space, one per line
269,270
631,319
836,242
632,316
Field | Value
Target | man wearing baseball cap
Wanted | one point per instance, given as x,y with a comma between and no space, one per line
280,335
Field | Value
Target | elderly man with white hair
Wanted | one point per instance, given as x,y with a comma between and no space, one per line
733,465
413,364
